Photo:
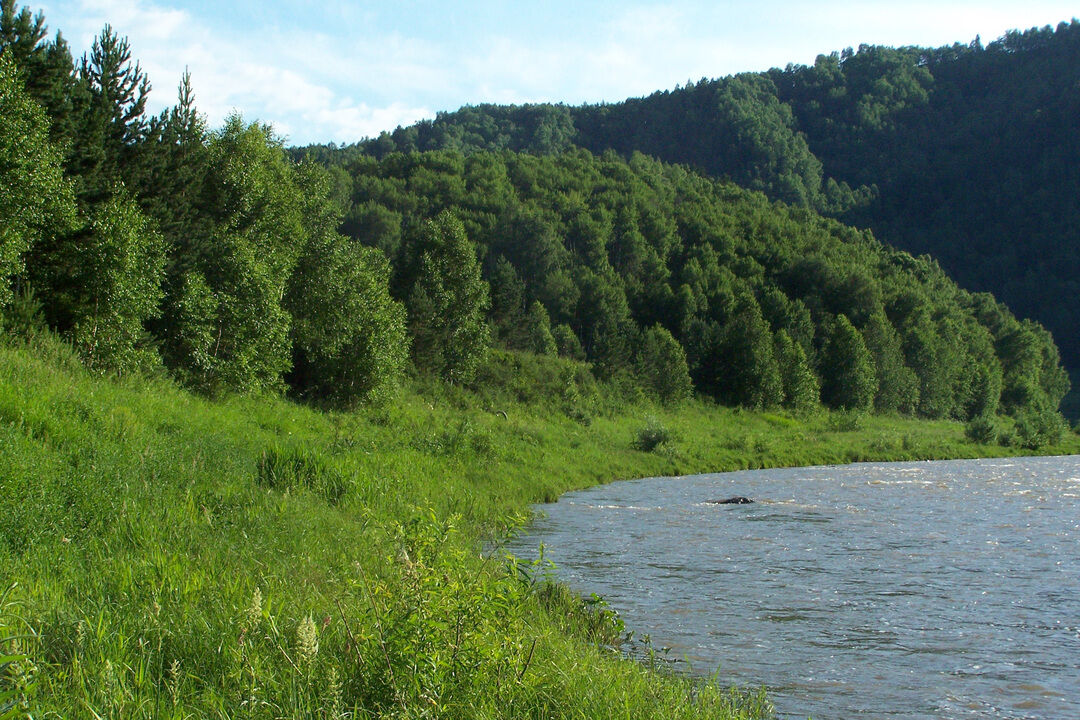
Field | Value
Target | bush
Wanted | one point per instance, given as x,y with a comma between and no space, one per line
653,436
982,429
846,421
1035,430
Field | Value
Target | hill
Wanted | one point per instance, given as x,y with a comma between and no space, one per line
965,152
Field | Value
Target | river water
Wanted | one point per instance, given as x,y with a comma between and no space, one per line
884,590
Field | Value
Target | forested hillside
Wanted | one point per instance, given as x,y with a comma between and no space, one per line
966,152
156,244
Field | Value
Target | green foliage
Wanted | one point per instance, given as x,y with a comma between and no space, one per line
745,361
982,429
231,331
110,125
583,253
538,337
653,436
802,390
120,264
349,340
448,302
661,366
1038,429
898,385
290,468
567,343
848,369
24,316
35,199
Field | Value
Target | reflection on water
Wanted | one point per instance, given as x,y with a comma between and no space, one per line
936,590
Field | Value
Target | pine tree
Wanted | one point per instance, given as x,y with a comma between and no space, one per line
110,124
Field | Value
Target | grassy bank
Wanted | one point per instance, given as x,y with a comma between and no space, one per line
253,558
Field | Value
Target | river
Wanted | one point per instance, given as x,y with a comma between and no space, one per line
886,590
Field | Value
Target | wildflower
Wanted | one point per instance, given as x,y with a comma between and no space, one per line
307,640
253,614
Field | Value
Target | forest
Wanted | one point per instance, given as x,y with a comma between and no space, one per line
966,152
157,244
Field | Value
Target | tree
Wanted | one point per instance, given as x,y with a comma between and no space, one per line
898,386
567,343
661,366
226,329
46,68
348,334
802,390
847,369
111,122
117,287
507,301
35,200
537,337
448,302
748,372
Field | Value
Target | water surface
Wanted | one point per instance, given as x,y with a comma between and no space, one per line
901,590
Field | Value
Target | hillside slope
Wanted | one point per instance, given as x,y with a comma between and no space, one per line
965,152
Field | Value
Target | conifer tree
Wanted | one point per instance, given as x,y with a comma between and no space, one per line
538,337
110,119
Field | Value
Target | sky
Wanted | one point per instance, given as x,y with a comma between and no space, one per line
335,71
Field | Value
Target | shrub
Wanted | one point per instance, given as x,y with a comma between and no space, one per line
982,429
653,436
1037,429
846,421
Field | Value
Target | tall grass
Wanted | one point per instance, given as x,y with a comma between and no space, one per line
251,558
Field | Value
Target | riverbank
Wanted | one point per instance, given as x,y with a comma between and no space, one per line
251,557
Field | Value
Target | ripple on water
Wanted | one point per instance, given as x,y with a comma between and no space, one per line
908,590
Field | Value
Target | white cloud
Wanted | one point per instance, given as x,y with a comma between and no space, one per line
302,84
340,75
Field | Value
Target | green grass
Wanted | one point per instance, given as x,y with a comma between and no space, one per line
252,558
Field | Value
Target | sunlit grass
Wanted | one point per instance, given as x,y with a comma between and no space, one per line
252,558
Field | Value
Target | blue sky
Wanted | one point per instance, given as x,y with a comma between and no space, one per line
340,71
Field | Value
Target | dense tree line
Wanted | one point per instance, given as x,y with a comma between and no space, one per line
965,152
156,242
658,274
